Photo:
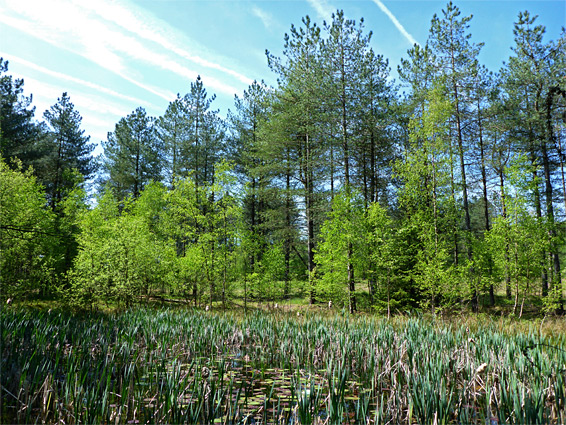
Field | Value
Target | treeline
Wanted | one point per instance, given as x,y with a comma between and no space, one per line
446,189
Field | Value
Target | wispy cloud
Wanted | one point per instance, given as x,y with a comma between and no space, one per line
148,27
265,17
323,9
99,115
69,78
109,33
74,32
396,22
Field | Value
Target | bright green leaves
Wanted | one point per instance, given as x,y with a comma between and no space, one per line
343,245
519,239
121,255
427,197
26,233
179,241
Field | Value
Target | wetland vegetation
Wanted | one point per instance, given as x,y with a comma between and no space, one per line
190,366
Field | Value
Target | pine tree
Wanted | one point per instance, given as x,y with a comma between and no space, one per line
295,126
456,59
532,71
173,131
68,150
205,135
132,154
252,166
18,132
375,146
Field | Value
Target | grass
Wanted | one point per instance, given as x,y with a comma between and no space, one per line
186,366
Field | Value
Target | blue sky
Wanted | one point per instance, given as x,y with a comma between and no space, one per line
112,56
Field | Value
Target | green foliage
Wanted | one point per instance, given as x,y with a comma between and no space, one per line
120,257
204,224
19,134
337,182
27,240
266,281
387,262
521,232
428,200
132,156
343,245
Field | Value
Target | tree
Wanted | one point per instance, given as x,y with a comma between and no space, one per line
295,126
18,132
426,198
68,149
121,252
375,150
132,154
456,60
253,168
173,132
26,233
522,233
383,259
343,53
206,219
534,69
203,148
342,248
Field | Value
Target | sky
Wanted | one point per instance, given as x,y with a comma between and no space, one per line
112,56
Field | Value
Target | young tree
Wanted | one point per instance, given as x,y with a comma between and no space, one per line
206,219
426,198
26,233
523,233
121,252
343,247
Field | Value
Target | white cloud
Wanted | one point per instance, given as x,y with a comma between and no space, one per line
45,95
323,9
66,28
265,18
107,33
99,116
396,22
148,27
69,78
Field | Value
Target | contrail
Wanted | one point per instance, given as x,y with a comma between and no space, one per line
396,22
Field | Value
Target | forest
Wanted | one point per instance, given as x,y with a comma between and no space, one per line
442,191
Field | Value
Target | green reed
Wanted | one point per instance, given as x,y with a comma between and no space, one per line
186,366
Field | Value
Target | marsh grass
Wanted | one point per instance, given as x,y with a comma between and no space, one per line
184,366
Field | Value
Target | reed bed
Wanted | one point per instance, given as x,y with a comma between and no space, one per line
183,366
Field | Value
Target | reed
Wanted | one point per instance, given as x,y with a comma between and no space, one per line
184,366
